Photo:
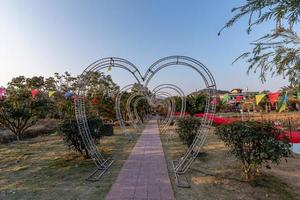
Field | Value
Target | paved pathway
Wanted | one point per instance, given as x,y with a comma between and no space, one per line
144,175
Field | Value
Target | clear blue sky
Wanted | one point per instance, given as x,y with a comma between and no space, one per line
40,37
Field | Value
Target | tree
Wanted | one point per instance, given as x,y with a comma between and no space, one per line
18,110
279,50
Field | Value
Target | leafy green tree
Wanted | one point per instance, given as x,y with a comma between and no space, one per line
278,50
18,110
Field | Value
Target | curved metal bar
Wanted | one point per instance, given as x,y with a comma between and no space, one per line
171,110
182,164
80,112
118,111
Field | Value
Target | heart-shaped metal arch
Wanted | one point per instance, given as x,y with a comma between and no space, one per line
181,165
133,116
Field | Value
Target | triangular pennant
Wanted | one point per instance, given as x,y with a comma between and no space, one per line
68,94
2,92
214,101
238,98
34,92
282,105
95,101
51,93
259,97
273,97
225,99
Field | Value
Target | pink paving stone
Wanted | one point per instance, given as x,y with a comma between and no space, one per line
144,175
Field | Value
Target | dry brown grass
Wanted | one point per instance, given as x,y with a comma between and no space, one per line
44,168
216,175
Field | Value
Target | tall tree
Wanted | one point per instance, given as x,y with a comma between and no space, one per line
278,51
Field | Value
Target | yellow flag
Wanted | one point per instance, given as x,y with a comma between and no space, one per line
282,105
259,97
51,93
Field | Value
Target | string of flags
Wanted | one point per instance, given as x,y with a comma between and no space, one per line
2,92
272,97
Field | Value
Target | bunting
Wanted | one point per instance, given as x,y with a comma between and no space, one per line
259,97
68,94
2,92
298,95
51,93
273,97
282,105
34,92
95,101
214,101
225,99
239,98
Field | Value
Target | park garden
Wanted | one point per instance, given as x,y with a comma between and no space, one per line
87,136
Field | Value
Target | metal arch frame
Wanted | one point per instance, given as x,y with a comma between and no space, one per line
179,91
154,91
171,110
181,165
118,111
101,163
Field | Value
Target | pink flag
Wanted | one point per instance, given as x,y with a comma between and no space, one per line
34,92
214,101
273,97
2,91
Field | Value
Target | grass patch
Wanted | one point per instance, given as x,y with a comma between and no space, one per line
44,168
216,175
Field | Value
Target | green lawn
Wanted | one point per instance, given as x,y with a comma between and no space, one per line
44,168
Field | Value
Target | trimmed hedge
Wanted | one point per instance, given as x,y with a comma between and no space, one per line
187,128
255,144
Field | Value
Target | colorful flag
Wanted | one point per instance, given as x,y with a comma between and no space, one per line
95,101
51,93
34,92
68,94
273,97
298,95
259,97
2,92
225,99
214,101
238,98
282,105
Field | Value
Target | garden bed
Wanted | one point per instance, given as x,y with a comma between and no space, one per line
216,175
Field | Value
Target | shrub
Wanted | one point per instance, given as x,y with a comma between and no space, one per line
72,137
107,130
254,144
187,129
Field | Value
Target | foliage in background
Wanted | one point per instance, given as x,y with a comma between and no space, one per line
69,129
279,50
187,128
195,103
254,144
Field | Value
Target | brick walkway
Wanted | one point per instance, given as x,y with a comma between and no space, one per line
144,175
